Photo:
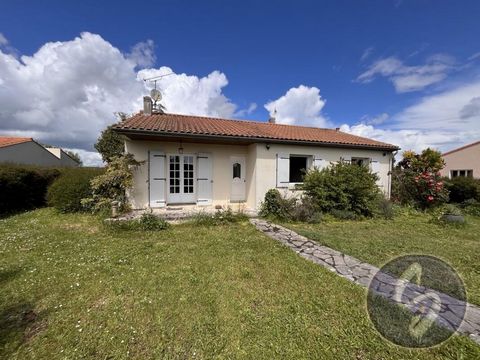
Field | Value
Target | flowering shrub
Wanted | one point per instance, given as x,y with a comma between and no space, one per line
417,179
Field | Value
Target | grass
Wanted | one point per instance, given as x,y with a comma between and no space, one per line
72,289
378,241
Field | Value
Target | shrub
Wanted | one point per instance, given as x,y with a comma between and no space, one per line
344,187
146,222
471,207
277,206
150,222
66,193
463,188
24,187
305,211
344,214
417,181
385,208
113,184
220,217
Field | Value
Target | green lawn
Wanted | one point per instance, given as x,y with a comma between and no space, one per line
377,241
71,289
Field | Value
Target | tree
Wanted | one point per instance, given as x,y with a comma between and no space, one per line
75,157
110,144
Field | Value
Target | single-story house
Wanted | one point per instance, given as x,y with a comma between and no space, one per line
463,161
210,161
25,150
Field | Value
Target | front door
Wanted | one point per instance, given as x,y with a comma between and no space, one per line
181,173
238,178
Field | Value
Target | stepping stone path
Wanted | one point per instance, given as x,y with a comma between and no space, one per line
362,274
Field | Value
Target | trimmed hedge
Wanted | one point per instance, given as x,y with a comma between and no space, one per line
24,187
66,193
463,189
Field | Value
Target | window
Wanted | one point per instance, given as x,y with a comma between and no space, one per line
461,173
298,167
237,170
361,161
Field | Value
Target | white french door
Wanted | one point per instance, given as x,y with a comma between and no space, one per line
181,175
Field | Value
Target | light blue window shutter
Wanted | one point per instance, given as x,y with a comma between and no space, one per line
204,179
319,162
283,170
375,168
157,179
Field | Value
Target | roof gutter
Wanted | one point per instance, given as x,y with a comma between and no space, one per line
245,139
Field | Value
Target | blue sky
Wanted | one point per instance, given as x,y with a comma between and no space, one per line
367,65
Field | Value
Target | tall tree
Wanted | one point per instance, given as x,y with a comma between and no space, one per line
111,144
75,157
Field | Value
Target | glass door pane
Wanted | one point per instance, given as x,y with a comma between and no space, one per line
174,163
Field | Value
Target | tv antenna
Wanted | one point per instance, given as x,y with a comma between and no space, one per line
155,94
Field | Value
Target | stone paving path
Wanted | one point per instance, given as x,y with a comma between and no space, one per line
362,274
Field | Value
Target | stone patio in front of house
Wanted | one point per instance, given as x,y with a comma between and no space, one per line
362,274
179,213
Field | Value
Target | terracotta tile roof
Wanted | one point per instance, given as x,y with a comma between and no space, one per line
10,140
187,125
461,148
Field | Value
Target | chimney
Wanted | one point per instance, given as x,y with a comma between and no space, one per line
271,120
337,129
147,105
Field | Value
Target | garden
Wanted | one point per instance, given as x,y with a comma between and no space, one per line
75,286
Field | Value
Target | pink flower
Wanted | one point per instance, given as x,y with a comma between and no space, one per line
429,198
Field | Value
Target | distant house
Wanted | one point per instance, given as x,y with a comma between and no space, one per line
23,150
463,161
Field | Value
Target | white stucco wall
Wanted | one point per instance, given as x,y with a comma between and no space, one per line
222,172
266,164
260,169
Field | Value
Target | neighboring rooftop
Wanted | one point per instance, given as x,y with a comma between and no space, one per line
461,148
198,126
11,140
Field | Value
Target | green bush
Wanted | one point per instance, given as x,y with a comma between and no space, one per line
24,187
471,207
220,217
277,206
463,188
305,211
150,222
112,184
384,208
344,187
146,222
66,193
344,214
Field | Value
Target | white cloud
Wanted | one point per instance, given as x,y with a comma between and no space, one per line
89,158
442,121
243,112
299,106
67,92
374,120
366,53
409,78
191,95
3,40
143,54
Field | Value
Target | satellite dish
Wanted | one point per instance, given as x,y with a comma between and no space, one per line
156,95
